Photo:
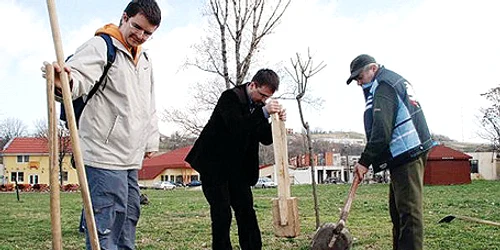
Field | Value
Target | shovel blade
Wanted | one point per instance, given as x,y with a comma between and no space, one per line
325,234
447,219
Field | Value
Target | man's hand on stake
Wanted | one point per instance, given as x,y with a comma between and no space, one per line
57,75
273,106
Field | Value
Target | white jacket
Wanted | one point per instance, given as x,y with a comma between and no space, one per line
119,123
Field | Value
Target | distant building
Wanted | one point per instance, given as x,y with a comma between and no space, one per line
168,166
446,166
486,165
327,165
350,141
268,170
26,159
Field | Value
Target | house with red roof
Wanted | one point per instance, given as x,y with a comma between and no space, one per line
27,160
169,166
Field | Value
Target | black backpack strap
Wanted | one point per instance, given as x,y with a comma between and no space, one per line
111,56
79,103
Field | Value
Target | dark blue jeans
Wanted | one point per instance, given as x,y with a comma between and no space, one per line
116,203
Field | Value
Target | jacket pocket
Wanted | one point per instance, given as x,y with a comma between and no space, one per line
104,216
110,131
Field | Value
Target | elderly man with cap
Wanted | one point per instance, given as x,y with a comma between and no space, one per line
398,139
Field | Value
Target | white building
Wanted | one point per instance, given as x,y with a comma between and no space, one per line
321,174
488,165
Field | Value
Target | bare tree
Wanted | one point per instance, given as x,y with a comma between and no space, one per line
175,141
236,30
266,154
296,144
11,128
41,132
192,120
303,70
41,129
490,120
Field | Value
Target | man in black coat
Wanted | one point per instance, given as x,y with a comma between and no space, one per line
227,157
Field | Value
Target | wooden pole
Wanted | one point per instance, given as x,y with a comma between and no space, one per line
75,143
285,208
55,202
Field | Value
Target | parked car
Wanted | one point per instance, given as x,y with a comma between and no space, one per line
194,183
180,184
163,185
142,186
265,182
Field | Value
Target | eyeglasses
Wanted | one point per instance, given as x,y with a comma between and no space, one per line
144,33
262,94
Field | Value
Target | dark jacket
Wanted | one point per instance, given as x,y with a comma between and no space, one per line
395,124
228,146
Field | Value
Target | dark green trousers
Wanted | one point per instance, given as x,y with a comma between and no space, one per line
405,204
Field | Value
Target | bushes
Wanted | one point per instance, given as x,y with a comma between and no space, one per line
7,187
10,187
70,187
41,187
24,187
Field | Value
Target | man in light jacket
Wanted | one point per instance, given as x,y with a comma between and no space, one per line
118,126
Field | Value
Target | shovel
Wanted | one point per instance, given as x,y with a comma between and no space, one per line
450,217
332,236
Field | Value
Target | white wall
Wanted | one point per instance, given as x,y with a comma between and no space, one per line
488,165
303,176
300,176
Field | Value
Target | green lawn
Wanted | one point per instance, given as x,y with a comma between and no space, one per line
179,219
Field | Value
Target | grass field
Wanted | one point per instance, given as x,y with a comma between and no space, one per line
179,219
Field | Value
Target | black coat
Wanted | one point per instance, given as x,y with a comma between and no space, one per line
228,146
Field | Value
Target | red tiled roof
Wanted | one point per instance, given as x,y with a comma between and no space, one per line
156,165
30,145
27,145
441,152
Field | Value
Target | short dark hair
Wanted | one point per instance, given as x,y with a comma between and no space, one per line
149,8
267,77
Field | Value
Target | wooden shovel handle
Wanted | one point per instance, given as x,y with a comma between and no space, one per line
486,222
350,198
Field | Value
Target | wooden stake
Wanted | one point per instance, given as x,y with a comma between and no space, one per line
55,202
285,208
75,143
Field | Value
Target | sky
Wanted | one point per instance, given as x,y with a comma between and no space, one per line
448,49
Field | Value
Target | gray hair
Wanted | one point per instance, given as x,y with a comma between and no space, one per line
366,67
